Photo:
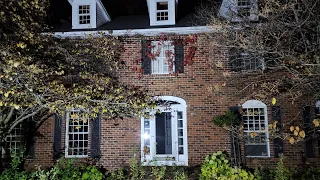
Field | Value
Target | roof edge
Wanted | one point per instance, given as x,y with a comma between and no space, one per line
133,32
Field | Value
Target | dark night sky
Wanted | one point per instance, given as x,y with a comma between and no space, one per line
61,9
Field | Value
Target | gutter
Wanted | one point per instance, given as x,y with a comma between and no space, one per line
134,32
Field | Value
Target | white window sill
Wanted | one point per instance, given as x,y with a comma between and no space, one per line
77,156
164,163
257,156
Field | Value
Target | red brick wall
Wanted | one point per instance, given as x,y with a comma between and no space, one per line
201,86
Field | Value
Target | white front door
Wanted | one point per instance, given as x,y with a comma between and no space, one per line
164,137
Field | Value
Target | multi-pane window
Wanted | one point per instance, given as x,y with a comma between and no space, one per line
245,61
162,11
77,134
84,14
15,140
244,7
255,125
180,132
163,62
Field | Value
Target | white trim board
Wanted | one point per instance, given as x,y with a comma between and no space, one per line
133,32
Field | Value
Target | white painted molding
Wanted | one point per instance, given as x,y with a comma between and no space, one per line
97,11
254,104
133,32
152,5
75,14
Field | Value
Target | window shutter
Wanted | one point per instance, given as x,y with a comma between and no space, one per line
95,137
32,148
277,142
145,59
309,144
179,57
234,139
30,136
57,137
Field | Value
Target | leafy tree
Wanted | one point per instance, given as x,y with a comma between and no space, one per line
41,75
286,36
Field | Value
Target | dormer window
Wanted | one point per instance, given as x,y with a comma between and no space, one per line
84,14
239,10
88,14
244,8
162,12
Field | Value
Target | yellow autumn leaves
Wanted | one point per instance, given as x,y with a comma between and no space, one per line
298,133
273,125
274,101
316,122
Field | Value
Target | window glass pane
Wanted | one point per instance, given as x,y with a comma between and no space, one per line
256,150
162,5
180,150
179,114
163,133
180,123
146,124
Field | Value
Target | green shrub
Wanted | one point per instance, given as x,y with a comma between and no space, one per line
311,174
116,175
158,172
14,172
282,172
216,167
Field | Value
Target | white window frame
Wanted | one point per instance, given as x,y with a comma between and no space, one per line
76,16
251,104
150,159
18,138
153,13
82,8
163,50
68,117
245,55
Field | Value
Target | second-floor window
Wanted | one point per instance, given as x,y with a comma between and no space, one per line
163,53
77,134
245,61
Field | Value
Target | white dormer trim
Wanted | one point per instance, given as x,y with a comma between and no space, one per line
98,14
229,10
169,13
76,16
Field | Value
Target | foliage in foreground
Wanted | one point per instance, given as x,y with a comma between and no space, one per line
215,166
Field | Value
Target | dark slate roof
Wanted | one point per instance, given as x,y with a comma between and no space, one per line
129,22
125,14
